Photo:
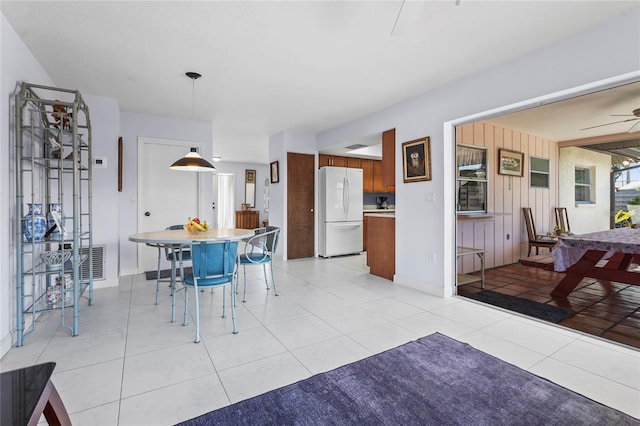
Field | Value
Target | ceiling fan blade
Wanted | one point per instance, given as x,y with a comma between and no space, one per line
635,125
622,115
608,124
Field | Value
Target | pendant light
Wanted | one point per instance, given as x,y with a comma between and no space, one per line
193,162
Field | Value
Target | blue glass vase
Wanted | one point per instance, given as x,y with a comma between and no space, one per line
34,224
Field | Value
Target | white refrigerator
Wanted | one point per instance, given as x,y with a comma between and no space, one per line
340,211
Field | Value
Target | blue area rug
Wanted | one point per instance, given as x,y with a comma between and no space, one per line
435,380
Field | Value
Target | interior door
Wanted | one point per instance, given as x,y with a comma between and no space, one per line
300,202
165,197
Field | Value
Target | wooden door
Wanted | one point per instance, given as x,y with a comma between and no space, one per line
300,203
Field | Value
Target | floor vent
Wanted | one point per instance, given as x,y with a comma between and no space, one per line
98,263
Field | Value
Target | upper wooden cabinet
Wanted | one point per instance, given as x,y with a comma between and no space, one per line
367,175
389,159
332,160
378,186
354,163
372,170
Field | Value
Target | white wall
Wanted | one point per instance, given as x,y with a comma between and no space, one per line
17,64
585,218
105,124
424,228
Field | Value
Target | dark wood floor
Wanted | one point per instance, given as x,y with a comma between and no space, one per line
606,309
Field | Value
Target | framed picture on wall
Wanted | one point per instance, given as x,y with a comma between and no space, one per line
250,176
416,160
510,163
275,172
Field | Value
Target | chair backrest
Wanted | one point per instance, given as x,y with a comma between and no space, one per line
214,259
267,238
562,219
273,238
528,221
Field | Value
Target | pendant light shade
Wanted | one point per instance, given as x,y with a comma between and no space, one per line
193,162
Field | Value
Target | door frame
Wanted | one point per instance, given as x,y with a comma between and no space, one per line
142,142
449,154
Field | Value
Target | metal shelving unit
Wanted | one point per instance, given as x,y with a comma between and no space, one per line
53,166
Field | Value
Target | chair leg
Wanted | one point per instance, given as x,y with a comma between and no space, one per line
195,288
185,320
264,270
273,280
224,302
244,294
233,309
173,290
158,274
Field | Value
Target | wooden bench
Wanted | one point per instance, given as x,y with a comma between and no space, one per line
542,261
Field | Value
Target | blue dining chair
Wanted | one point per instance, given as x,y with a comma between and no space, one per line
259,250
214,264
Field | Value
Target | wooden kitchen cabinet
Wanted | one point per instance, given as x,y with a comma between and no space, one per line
353,163
247,219
367,175
364,235
389,160
381,246
378,186
331,160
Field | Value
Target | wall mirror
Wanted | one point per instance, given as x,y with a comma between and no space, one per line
250,188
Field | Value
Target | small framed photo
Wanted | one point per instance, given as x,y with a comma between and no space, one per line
275,172
510,162
250,176
416,160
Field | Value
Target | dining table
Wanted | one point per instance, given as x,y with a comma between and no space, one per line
605,255
175,239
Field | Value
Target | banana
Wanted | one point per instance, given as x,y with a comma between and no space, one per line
197,226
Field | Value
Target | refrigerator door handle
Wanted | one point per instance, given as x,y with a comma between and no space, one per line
345,225
345,196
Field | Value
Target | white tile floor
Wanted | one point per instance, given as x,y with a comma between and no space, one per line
130,366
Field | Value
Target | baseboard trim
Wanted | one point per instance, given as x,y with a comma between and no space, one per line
422,286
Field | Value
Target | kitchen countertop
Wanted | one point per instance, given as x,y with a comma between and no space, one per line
390,214
384,211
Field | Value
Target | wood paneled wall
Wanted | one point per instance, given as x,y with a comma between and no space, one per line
504,235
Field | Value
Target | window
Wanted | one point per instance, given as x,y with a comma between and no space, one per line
539,173
471,179
584,192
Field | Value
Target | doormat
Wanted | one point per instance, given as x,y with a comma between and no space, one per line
523,306
165,273
435,380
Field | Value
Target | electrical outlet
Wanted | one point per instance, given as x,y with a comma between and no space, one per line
431,257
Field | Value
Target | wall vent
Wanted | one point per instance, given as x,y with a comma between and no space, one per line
98,263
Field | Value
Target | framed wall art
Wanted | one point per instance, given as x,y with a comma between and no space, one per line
275,172
510,163
416,160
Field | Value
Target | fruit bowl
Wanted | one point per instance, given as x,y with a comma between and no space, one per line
195,226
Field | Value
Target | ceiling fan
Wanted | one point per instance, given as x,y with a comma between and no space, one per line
635,114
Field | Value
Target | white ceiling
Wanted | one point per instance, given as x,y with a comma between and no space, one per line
299,65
